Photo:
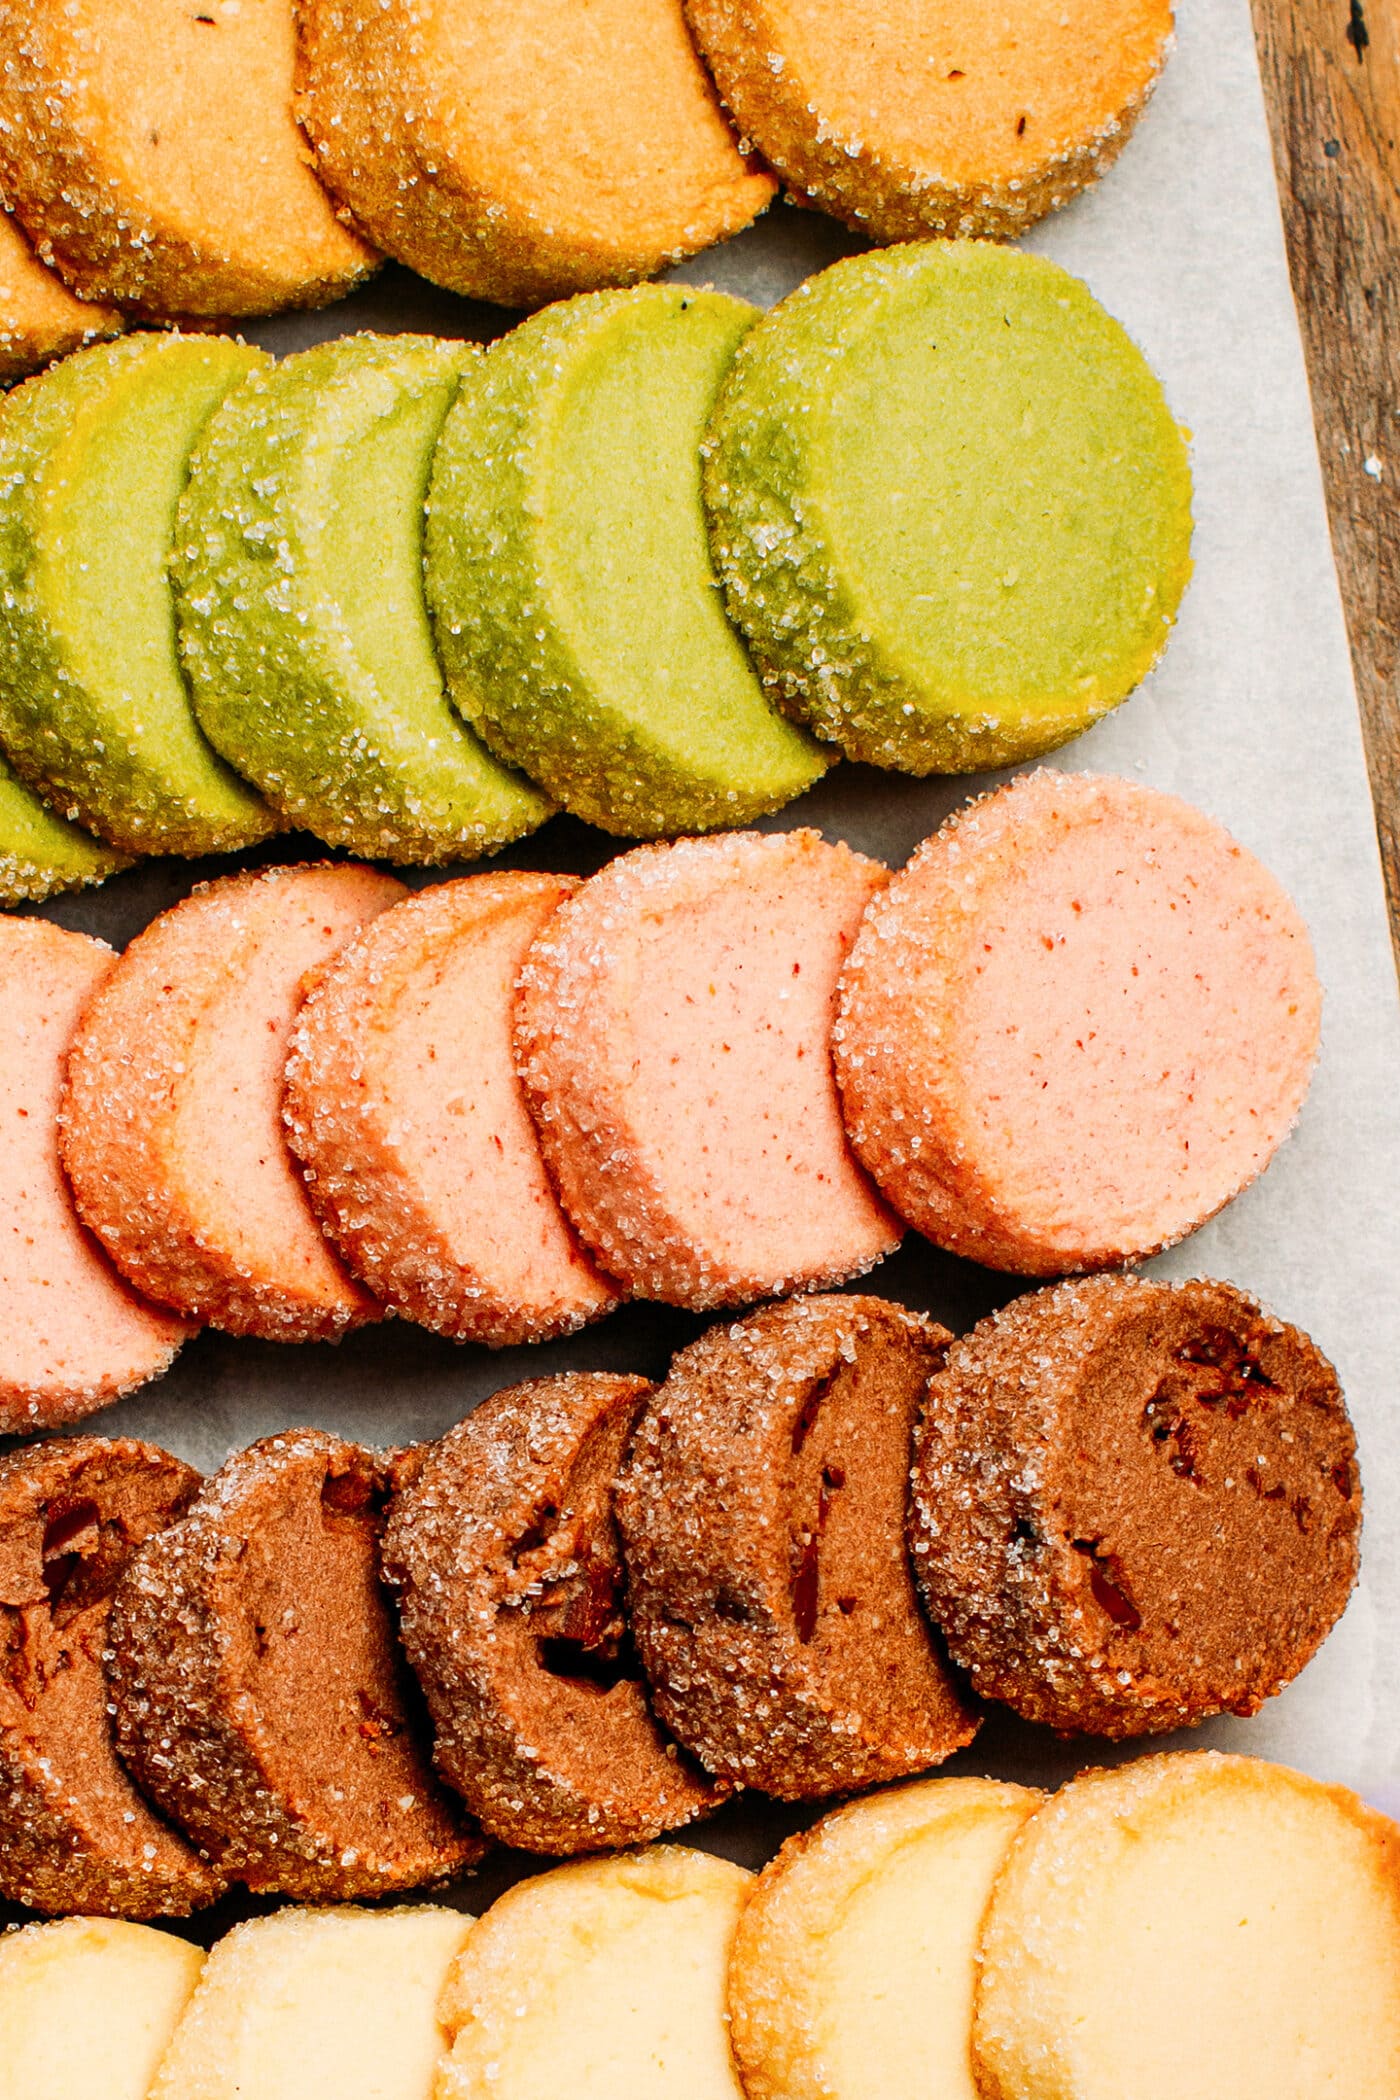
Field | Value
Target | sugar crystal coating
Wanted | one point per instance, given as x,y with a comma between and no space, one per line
41,854
39,318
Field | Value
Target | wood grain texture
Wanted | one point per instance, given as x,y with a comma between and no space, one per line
1332,80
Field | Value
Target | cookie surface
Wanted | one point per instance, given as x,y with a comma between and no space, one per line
87,2006
575,604
298,577
172,1118
855,1960
260,1695
1135,1504
39,317
518,156
672,1035
1278,1896
505,1555
1077,1024
403,1105
949,504
763,1512
912,117
599,1978
42,854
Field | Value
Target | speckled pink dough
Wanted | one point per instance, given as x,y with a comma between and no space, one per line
171,1126
73,1336
1075,1026
403,1104
672,1031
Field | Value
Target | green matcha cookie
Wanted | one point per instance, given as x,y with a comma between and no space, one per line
39,853
93,707
950,506
576,610
299,582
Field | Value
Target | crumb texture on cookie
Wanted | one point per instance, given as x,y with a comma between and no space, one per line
87,2006
39,317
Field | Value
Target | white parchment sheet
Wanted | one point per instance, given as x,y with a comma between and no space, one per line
1251,715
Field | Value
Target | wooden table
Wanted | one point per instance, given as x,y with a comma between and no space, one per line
1332,78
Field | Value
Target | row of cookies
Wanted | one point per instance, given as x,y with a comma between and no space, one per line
1072,1028
520,155
956,1936
653,588
622,1603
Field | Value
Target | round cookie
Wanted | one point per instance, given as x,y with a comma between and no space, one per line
154,157
87,2006
1135,1504
93,708
950,506
39,317
934,116
317,2005
298,578
855,1961
74,1833
74,1337
403,1105
504,1552
598,1979
42,854
672,1034
260,1697
520,154
570,575
171,1126
1077,1024
763,1512
1190,1926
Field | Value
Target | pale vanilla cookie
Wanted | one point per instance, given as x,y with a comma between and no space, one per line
317,2005
403,1105
87,2006
600,1979
153,156
172,1120
1077,1024
855,1960
520,153
911,117
672,1033
39,317
1190,1926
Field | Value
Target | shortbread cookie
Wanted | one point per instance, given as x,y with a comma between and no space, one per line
1191,1926
94,711
1077,1024
317,2005
950,506
39,317
299,589
856,1956
261,1699
87,2006
934,116
73,1335
41,854
74,1833
569,569
153,155
172,1121
1136,1504
599,1979
763,1515
672,1033
505,1555
403,1106
520,153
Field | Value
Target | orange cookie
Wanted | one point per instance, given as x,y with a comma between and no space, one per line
39,319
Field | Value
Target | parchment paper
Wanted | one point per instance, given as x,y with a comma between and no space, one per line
1251,715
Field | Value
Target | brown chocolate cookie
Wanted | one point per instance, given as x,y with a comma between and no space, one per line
763,1515
260,1695
506,1558
74,1833
1136,1504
